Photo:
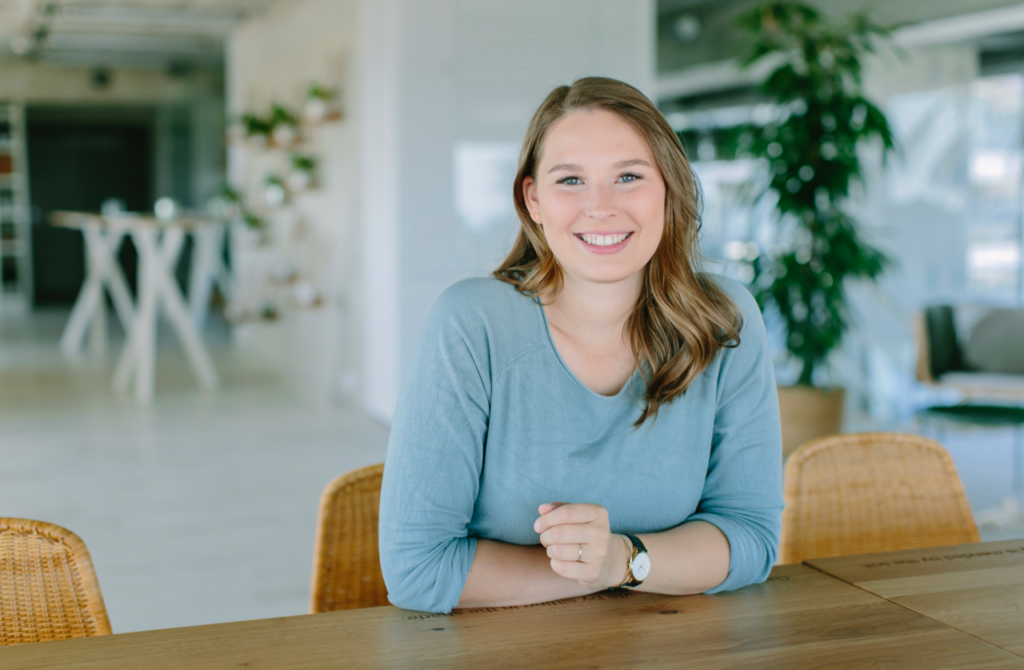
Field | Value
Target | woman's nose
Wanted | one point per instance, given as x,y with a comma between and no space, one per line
600,204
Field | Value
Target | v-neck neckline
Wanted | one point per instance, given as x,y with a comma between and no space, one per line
554,349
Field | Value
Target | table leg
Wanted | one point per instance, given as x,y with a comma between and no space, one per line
223,275
204,273
144,327
81,313
102,271
158,287
88,298
116,283
174,306
125,364
98,331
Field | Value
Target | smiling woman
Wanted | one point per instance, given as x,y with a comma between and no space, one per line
598,367
610,200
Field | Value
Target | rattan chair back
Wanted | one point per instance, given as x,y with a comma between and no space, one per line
346,564
871,492
48,588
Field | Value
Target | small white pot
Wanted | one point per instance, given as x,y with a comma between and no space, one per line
284,135
298,181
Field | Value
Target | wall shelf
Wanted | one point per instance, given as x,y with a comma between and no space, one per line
15,213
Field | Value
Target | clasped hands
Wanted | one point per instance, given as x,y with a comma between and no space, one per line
580,544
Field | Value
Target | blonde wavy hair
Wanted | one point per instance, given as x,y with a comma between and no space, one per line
682,317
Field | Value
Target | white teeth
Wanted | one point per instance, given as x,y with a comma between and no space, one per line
603,240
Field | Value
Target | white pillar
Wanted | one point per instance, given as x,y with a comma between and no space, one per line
380,194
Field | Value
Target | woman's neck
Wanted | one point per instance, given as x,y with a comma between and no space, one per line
589,308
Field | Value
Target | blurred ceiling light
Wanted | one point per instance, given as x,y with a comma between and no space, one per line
686,28
993,256
995,166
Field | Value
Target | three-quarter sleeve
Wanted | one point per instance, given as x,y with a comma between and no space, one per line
434,459
743,489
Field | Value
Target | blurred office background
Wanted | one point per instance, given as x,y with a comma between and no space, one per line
354,158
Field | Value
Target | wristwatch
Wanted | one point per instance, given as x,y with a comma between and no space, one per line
639,564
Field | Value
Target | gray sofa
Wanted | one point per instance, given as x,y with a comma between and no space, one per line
977,350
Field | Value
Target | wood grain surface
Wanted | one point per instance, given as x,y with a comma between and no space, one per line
975,588
798,618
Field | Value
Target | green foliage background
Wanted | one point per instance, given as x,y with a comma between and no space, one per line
812,152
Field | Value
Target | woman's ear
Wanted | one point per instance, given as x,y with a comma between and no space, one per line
530,198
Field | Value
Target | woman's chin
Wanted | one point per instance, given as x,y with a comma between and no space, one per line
605,275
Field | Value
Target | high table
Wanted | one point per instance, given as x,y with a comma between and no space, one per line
158,244
799,618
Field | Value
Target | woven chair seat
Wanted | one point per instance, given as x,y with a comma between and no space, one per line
872,492
346,567
48,588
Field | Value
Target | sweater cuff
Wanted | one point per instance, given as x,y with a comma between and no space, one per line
748,564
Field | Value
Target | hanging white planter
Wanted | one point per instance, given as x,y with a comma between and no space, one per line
315,110
283,135
256,142
298,180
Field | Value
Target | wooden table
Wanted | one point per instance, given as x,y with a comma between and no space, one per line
975,588
799,618
158,244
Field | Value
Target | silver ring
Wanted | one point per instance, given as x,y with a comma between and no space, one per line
580,558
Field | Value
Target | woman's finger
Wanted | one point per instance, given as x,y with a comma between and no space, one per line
573,513
547,507
571,533
571,552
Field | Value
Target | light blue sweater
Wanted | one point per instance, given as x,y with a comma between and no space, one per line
491,423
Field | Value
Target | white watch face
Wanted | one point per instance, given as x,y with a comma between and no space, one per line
641,566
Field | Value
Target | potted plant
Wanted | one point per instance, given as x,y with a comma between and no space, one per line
256,128
812,150
320,104
300,177
283,126
274,192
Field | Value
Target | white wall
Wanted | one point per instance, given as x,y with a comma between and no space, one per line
466,79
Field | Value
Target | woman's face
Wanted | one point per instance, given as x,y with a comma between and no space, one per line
599,197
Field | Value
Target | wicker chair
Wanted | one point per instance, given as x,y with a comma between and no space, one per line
872,492
48,588
346,564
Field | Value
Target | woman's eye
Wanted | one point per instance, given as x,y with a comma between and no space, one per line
628,177
570,181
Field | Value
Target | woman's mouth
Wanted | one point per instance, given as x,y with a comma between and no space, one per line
604,243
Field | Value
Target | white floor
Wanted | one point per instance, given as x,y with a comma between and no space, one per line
202,507
198,509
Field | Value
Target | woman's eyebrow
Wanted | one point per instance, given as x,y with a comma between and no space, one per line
620,164
632,161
